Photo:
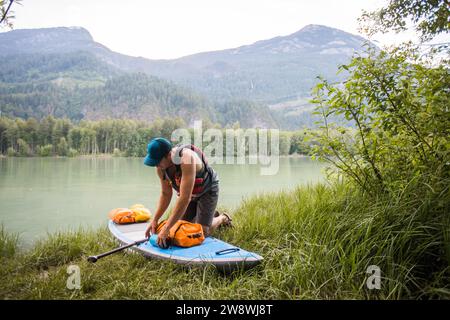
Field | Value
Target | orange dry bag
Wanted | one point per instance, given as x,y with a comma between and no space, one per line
184,233
123,216
135,214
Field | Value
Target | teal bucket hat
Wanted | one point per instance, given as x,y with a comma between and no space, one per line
157,149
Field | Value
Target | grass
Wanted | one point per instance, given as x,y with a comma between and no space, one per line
317,243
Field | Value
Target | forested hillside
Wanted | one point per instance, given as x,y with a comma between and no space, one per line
64,72
79,86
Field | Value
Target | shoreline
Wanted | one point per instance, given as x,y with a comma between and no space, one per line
109,156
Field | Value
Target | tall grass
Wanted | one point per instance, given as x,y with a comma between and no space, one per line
8,243
317,243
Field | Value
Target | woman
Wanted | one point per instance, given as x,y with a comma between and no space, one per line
185,169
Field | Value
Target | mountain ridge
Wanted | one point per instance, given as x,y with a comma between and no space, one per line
267,72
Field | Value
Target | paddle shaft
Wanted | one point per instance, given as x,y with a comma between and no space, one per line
95,258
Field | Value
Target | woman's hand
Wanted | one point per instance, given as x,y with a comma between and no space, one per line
151,229
163,238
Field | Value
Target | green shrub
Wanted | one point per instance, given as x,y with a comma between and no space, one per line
62,149
45,151
72,152
24,148
11,152
399,107
117,152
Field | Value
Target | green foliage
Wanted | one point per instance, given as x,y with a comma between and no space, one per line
45,151
249,114
72,152
398,150
117,152
11,152
6,12
285,143
124,137
8,244
301,142
62,149
24,148
429,17
400,108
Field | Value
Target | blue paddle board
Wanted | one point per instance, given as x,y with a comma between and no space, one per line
212,251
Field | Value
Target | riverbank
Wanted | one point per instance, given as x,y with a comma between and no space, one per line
110,155
83,156
317,242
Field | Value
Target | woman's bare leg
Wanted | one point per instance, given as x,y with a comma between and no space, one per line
217,221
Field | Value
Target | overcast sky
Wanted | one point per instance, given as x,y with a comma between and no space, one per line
165,29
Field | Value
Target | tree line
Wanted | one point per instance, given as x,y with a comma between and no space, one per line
121,137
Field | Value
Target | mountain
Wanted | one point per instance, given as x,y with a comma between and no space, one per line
270,71
79,86
268,75
61,40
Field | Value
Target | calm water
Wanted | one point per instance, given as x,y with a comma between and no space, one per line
40,195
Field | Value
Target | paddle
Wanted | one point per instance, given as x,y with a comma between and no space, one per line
94,259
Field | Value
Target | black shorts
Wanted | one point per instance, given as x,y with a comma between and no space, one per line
201,210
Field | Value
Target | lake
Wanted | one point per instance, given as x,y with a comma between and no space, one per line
41,195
